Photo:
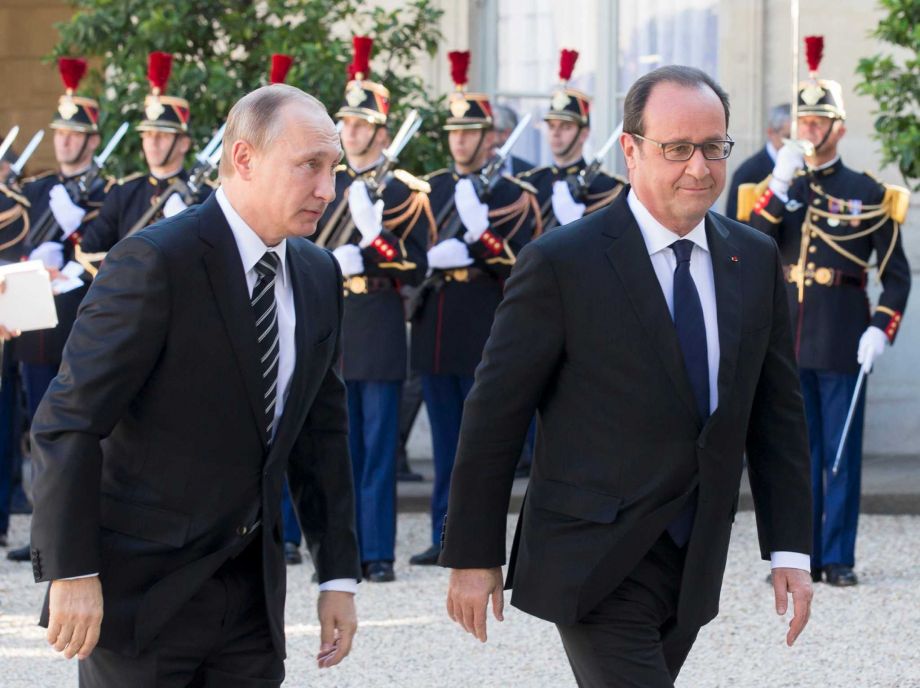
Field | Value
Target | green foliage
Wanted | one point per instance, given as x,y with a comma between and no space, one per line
894,83
222,49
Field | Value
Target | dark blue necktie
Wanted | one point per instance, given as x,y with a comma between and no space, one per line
691,333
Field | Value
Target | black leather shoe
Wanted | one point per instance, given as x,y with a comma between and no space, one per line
840,576
379,572
292,553
23,553
427,558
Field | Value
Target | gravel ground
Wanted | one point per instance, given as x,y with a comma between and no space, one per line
868,636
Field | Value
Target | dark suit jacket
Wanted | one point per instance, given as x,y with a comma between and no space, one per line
752,171
584,337
152,463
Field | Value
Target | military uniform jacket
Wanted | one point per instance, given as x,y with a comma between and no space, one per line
125,204
46,346
14,223
604,188
836,225
374,322
753,170
452,324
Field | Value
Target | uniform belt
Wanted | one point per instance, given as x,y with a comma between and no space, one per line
465,275
361,284
825,277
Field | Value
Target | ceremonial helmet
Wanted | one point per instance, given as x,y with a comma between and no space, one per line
364,98
162,112
568,103
281,64
76,113
467,110
819,97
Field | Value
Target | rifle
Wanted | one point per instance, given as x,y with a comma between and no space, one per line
449,221
79,190
338,230
580,184
207,159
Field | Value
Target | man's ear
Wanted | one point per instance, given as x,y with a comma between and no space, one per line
184,144
630,149
242,156
584,134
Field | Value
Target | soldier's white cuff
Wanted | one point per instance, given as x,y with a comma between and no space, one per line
790,560
339,585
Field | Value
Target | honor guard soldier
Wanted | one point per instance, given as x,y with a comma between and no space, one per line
378,229
58,206
562,189
134,202
482,224
832,225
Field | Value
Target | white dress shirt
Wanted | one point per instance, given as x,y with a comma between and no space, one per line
658,240
251,249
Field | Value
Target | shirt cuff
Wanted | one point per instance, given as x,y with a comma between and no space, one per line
85,575
790,560
339,585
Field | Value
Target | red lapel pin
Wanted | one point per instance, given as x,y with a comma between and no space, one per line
735,259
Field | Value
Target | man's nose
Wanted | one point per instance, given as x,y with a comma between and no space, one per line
698,165
325,190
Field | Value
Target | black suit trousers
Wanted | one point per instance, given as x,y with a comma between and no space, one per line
220,637
631,639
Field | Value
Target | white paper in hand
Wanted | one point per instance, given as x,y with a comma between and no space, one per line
27,302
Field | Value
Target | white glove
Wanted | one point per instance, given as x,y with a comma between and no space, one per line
51,253
368,216
565,208
789,160
350,260
67,213
174,205
871,345
474,214
450,253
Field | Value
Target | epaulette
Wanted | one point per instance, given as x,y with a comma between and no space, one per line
341,167
413,182
131,178
527,186
37,177
15,196
436,173
213,183
529,173
109,183
896,202
748,195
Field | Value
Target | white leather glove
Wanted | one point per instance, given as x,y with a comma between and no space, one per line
350,260
474,214
872,344
565,208
67,213
51,253
368,216
174,205
789,160
450,253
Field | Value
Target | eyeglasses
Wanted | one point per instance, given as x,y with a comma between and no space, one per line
682,151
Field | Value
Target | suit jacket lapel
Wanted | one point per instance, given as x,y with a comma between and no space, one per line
228,282
726,273
629,257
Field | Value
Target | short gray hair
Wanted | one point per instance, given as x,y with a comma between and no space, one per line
778,116
504,118
639,92
256,119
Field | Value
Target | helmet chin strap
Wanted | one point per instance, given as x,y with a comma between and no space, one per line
469,161
172,148
565,154
74,160
370,141
826,136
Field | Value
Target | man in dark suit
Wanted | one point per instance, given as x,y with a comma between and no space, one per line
201,367
759,166
653,340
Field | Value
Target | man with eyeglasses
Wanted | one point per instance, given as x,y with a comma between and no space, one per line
653,340
833,224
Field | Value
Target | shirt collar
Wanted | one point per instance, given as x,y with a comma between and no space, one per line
771,150
658,237
825,166
250,246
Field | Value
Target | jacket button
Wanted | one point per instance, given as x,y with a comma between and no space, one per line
242,530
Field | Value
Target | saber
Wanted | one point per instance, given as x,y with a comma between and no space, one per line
505,150
16,167
863,371
411,125
807,147
602,153
8,141
110,146
214,158
215,141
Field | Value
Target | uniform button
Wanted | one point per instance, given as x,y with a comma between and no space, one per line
811,266
812,249
242,530
808,283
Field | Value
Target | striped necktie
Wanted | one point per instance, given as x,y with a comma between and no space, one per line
266,315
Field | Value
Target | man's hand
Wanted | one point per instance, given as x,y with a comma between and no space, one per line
872,344
67,213
789,160
338,623
75,616
367,214
565,207
798,583
467,597
474,214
